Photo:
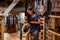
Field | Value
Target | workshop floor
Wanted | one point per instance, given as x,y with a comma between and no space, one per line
11,36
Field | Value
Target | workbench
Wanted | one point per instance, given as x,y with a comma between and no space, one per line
54,23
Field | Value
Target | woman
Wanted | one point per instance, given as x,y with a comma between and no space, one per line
34,22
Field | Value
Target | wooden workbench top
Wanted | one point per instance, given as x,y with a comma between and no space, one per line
53,16
54,32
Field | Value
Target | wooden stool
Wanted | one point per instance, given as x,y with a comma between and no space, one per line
25,36
31,37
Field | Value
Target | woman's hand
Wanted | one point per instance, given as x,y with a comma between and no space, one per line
32,22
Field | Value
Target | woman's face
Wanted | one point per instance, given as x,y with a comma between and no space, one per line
29,12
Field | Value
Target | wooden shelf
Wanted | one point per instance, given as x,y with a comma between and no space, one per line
56,5
55,10
53,16
57,0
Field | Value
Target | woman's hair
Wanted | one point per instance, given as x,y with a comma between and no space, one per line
29,16
31,10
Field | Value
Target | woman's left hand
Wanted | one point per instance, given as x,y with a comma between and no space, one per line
32,22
